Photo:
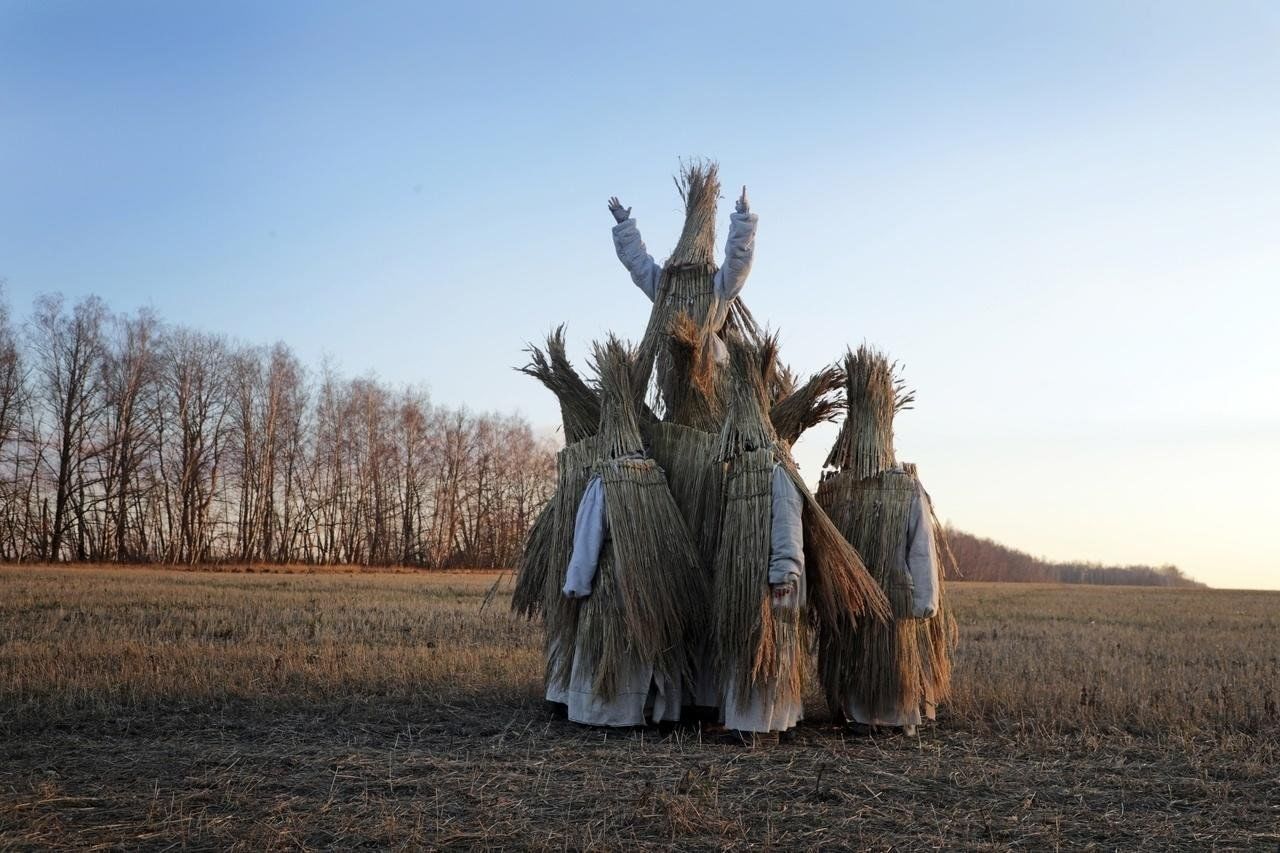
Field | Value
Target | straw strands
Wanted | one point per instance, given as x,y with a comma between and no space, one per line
531,575
874,393
650,595
685,455
697,400
900,664
749,641
796,409
699,186
573,472
579,403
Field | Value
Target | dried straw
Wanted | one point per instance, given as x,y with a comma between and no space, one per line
531,574
796,409
840,590
560,614
874,392
697,394
751,643
879,663
904,663
579,403
699,186
684,454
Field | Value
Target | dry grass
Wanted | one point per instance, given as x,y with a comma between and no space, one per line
152,709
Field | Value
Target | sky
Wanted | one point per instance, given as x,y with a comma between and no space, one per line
1061,218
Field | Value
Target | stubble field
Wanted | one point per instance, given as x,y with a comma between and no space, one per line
154,709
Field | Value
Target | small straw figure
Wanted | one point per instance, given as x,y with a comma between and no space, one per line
890,674
776,556
634,594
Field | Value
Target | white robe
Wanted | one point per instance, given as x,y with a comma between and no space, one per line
644,693
764,710
919,559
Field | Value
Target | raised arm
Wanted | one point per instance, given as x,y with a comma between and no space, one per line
631,250
786,533
739,250
588,540
922,558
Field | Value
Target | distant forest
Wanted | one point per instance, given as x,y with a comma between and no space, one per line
124,438
980,559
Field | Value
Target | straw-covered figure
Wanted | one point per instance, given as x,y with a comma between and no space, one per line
634,594
779,562
890,674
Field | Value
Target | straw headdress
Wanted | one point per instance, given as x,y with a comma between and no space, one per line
874,393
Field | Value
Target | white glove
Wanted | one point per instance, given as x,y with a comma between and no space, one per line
620,214
744,206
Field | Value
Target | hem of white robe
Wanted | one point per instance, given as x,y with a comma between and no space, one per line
899,717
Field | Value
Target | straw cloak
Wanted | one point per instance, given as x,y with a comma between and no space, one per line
632,589
893,673
779,564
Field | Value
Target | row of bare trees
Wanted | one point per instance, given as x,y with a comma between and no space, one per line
124,438
980,559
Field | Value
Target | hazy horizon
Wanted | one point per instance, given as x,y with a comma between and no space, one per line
1061,220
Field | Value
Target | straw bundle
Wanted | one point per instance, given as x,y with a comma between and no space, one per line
684,454
531,575
560,614
747,425
885,665
579,403
753,641
874,394
699,188
939,636
796,407
697,395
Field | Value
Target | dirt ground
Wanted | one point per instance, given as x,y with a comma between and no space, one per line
358,712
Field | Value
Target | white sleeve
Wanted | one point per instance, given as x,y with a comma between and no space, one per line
922,558
786,532
739,251
588,540
636,258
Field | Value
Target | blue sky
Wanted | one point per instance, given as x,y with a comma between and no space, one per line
1063,218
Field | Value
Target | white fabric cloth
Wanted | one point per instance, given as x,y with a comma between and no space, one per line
555,693
739,252
588,541
644,695
921,558
786,533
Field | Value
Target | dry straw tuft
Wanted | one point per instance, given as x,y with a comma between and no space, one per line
579,403
699,186
874,393
797,407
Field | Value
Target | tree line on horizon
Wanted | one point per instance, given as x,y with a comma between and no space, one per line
127,439
982,559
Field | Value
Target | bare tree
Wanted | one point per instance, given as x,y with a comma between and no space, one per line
68,351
